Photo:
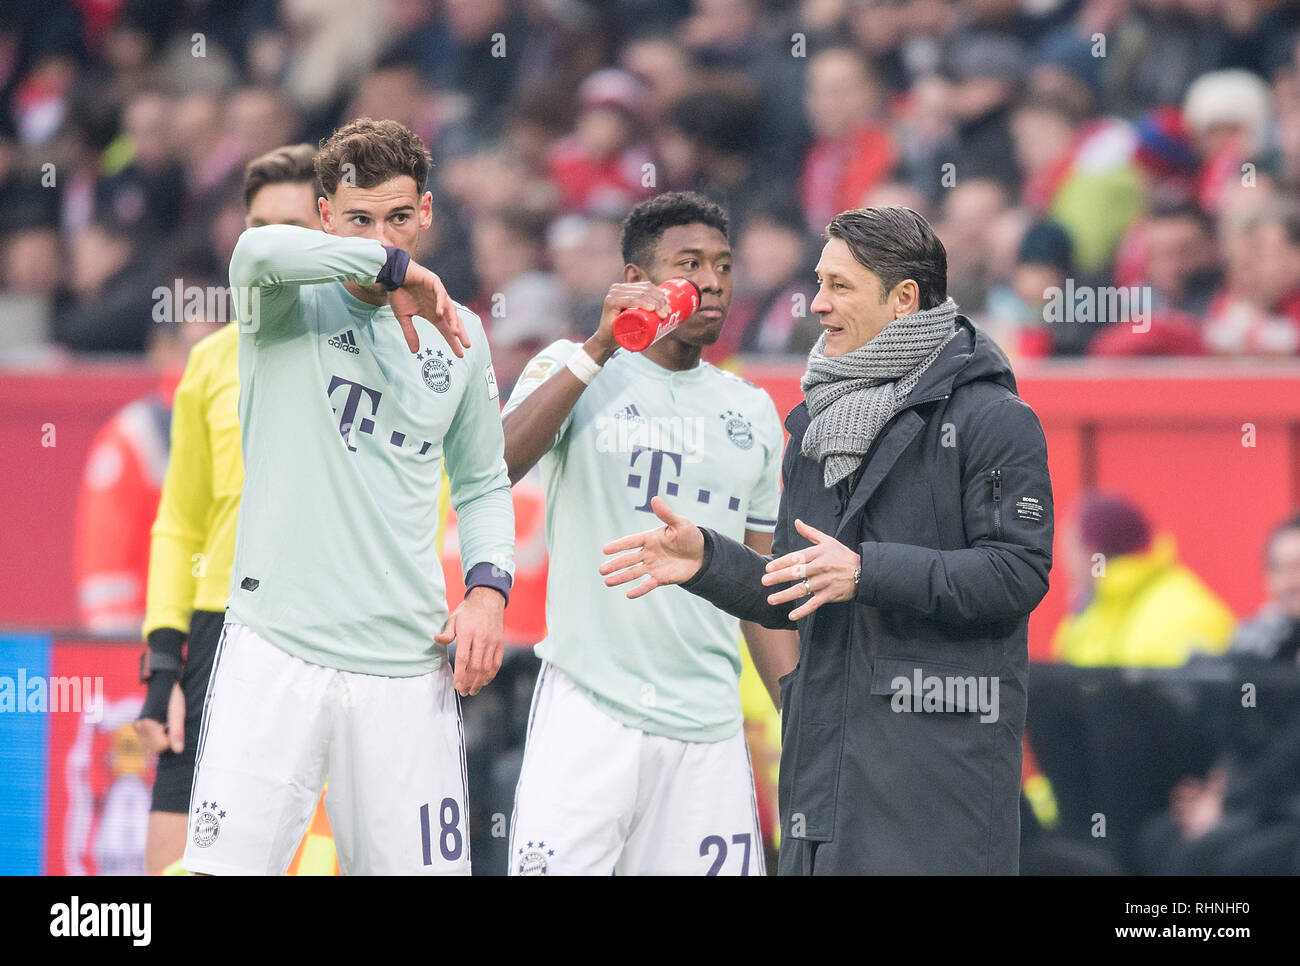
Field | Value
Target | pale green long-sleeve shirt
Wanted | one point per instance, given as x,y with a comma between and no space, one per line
344,433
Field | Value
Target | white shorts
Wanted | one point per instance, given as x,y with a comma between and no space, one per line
274,727
596,797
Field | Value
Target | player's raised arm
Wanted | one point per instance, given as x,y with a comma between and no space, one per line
271,262
551,386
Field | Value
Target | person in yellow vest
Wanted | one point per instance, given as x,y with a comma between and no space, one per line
193,539
1136,604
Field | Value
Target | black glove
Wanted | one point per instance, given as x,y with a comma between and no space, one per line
160,668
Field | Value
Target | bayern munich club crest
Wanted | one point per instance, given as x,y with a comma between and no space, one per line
739,430
532,860
436,370
207,823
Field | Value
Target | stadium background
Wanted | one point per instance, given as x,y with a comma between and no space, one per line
1098,147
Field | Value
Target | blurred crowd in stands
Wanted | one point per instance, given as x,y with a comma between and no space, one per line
1114,177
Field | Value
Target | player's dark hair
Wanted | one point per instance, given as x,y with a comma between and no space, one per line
292,164
648,221
377,151
1290,523
895,243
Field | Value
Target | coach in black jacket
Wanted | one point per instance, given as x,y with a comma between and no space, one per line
914,539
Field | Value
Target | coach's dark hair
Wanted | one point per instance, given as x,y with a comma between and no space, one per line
1290,523
648,221
293,164
377,150
896,243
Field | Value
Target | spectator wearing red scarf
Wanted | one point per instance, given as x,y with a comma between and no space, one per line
852,151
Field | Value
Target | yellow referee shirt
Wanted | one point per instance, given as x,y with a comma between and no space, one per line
193,537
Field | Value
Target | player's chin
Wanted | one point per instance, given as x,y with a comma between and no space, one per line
701,332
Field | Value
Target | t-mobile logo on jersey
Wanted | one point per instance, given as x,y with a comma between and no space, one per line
348,418
661,465
349,425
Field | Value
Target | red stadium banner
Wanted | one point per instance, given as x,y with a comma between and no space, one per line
100,776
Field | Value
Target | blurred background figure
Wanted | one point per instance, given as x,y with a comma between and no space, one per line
532,312
1135,604
106,303
1044,260
1242,817
1273,634
1258,310
774,287
604,166
852,149
584,253
987,72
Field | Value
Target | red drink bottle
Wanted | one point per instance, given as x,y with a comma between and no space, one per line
638,329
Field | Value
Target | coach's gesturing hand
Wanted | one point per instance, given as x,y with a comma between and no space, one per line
826,572
422,293
670,555
478,626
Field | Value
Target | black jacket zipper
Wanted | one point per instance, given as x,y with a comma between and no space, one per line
997,504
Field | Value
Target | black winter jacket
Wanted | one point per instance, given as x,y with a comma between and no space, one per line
952,513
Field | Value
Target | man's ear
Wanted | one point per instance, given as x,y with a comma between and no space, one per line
906,297
426,210
633,273
326,215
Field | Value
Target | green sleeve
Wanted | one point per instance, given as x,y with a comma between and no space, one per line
270,263
474,448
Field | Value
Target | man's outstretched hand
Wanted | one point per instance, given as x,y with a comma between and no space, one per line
669,555
423,294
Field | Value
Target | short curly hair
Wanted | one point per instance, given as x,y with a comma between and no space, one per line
648,221
365,152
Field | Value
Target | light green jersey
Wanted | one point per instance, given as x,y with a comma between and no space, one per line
709,443
344,433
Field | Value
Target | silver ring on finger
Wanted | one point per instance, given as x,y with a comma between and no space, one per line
807,588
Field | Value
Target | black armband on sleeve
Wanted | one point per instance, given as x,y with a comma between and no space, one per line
485,574
393,274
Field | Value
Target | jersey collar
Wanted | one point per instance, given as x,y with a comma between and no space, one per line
644,366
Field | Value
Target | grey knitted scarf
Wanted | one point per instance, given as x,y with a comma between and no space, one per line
852,396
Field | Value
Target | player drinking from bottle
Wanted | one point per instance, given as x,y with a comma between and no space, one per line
636,760
357,373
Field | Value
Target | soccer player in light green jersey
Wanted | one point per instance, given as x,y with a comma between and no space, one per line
358,373
636,759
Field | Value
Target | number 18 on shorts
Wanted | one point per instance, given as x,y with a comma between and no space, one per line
276,728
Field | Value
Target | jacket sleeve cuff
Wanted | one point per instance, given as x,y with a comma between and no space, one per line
165,647
705,559
393,274
488,575
868,582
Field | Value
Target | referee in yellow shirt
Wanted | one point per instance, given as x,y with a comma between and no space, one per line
193,538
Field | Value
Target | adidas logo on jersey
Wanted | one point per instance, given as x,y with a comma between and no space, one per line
347,342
